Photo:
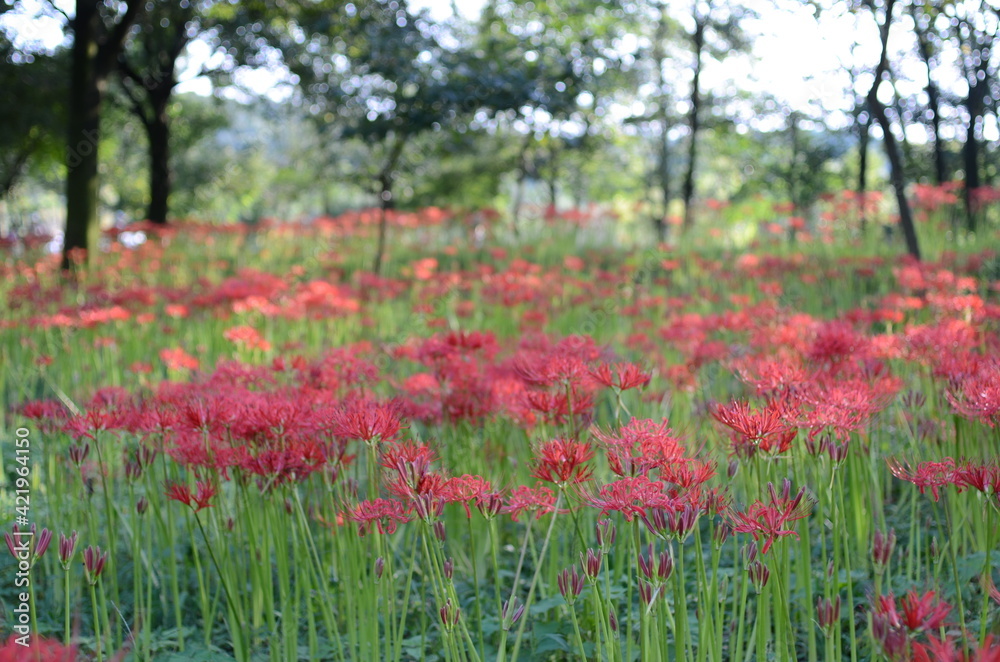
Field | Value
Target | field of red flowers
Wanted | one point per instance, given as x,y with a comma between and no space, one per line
240,444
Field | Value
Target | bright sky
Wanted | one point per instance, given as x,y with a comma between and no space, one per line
794,59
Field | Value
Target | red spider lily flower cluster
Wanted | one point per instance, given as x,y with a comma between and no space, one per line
982,476
563,462
197,500
619,376
766,429
769,521
897,627
383,514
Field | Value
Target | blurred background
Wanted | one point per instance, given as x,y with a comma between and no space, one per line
653,113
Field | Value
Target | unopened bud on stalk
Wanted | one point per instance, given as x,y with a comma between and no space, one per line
77,454
646,593
882,548
67,547
230,523
439,532
591,564
570,584
449,615
142,505
490,505
750,551
645,562
828,614
449,568
665,568
379,568
759,574
606,533
93,563
721,534
133,470
613,622
511,613
733,469
42,544
289,507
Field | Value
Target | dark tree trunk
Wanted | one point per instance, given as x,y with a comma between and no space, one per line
889,140
87,87
160,179
698,43
553,177
864,126
386,203
974,104
522,175
663,167
386,200
95,48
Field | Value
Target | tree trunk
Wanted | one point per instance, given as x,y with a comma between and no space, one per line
889,139
84,125
970,154
386,201
158,132
385,205
553,177
864,131
698,42
95,48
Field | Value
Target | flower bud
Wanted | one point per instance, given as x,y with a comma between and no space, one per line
828,614
570,584
882,548
379,568
591,564
511,612
606,533
759,574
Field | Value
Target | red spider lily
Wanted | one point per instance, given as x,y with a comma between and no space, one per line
563,461
936,650
977,396
981,476
640,446
468,488
933,475
178,359
896,628
846,405
368,421
630,496
412,466
247,336
38,649
198,500
50,414
384,514
93,422
923,613
762,429
769,521
539,500
619,376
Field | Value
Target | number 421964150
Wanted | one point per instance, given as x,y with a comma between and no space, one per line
22,457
